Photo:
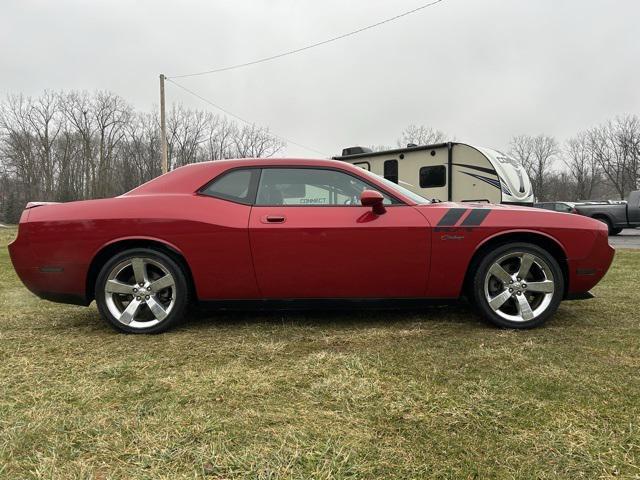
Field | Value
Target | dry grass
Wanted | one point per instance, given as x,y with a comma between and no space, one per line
431,393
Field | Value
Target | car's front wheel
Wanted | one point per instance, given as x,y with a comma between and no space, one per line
518,285
141,291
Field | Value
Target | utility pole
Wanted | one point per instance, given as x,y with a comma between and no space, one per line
163,127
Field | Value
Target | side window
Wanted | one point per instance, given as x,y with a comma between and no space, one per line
390,168
435,176
363,165
236,186
309,186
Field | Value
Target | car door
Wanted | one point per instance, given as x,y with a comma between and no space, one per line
311,238
220,251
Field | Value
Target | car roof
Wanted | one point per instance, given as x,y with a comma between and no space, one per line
192,177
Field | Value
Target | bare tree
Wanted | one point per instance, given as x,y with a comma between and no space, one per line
70,154
112,115
521,148
77,109
616,147
18,147
582,166
536,155
44,117
186,132
560,186
252,141
140,152
420,135
414,135
381,148
220,141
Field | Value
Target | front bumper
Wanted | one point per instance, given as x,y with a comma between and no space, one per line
585,273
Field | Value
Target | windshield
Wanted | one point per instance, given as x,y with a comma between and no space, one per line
394,187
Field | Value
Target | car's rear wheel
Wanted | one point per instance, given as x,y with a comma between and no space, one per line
518,285
141,291
615,231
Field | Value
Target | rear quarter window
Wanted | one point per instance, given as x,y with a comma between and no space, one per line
236,186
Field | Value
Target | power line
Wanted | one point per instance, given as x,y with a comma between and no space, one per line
308,47
231,114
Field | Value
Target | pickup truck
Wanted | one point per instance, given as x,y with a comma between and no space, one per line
616,215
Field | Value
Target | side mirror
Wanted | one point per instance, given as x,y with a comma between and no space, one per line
373,199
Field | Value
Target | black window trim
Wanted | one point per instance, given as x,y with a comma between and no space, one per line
358,164
396,166
253,185
432,166
255,182
313,167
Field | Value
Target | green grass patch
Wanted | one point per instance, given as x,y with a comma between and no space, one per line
418,394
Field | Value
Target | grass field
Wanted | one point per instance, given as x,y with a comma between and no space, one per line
430,393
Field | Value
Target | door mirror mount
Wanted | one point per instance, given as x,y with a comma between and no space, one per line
373,199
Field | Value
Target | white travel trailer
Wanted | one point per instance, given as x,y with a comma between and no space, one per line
449,171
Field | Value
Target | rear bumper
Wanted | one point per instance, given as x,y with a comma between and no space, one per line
54,283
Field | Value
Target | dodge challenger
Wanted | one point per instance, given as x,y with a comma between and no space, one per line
284,233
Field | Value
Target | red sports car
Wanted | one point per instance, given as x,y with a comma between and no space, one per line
283,233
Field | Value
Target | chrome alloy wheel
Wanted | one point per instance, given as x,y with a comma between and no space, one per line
140,292
519,286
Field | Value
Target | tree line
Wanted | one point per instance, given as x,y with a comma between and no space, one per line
600,162
64,146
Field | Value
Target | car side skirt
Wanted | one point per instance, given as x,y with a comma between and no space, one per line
68,298
323,304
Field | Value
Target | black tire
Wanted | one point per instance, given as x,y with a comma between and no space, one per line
615,231
175,297
608,223
545,265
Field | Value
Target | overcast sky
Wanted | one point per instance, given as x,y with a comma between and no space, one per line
481,70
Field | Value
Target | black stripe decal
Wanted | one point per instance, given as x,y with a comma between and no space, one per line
491,181
451,217
476,217
480,169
